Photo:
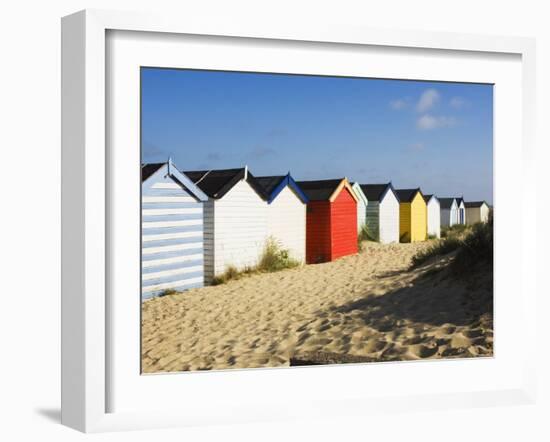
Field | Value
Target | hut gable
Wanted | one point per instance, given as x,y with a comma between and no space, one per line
216,183
271,186
376,192
321,190
447,203
172,230
475,204
408,195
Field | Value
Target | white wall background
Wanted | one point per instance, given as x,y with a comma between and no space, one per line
30,221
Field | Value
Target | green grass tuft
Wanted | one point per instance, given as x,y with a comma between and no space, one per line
439,248
274,258
168,292
473,246
456,230
476,249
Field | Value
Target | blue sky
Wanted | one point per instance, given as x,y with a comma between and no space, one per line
433,135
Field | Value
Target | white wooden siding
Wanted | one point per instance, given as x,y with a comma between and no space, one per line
389,218
361,214
449,217
286,222
484,213
477,214
461,214
361,206
434,218
235,229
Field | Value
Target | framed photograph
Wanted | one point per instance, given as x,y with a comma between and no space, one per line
279,223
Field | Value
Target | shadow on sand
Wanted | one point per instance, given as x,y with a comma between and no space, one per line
434,298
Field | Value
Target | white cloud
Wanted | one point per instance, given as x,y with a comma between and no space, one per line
457,102
428,122
428,99
398,104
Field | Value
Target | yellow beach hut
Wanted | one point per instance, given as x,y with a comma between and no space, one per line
413,215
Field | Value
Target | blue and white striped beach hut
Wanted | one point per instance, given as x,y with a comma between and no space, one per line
172,250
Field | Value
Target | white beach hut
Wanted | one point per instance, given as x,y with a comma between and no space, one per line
449,211
172,230
235,219
361,205
477,212
461,213
434,215
286,213
382,212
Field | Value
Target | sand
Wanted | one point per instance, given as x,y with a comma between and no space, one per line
367,307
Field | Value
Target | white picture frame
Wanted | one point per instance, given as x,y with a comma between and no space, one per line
86,211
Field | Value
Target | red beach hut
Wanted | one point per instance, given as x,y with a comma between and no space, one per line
331,220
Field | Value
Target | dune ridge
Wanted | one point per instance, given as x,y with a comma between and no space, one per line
369,306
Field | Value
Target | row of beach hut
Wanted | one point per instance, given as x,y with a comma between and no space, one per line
197,223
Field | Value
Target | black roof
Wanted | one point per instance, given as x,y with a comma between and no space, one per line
269,183
446,203
407,195
475,203
459,200
428,197
320,190
216,183
149,169
374,192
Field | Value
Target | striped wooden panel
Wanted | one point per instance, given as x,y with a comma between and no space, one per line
172,237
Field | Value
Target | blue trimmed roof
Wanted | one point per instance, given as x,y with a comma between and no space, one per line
147,170
273,185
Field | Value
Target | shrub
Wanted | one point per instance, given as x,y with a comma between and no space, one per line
476,249
455,230
230,273
474,246
440,248
275,258
168,292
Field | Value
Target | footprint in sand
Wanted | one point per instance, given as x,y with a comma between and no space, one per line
423,351
473,333
444,330
460,341
374,346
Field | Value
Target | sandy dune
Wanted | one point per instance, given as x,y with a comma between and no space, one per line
368,305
